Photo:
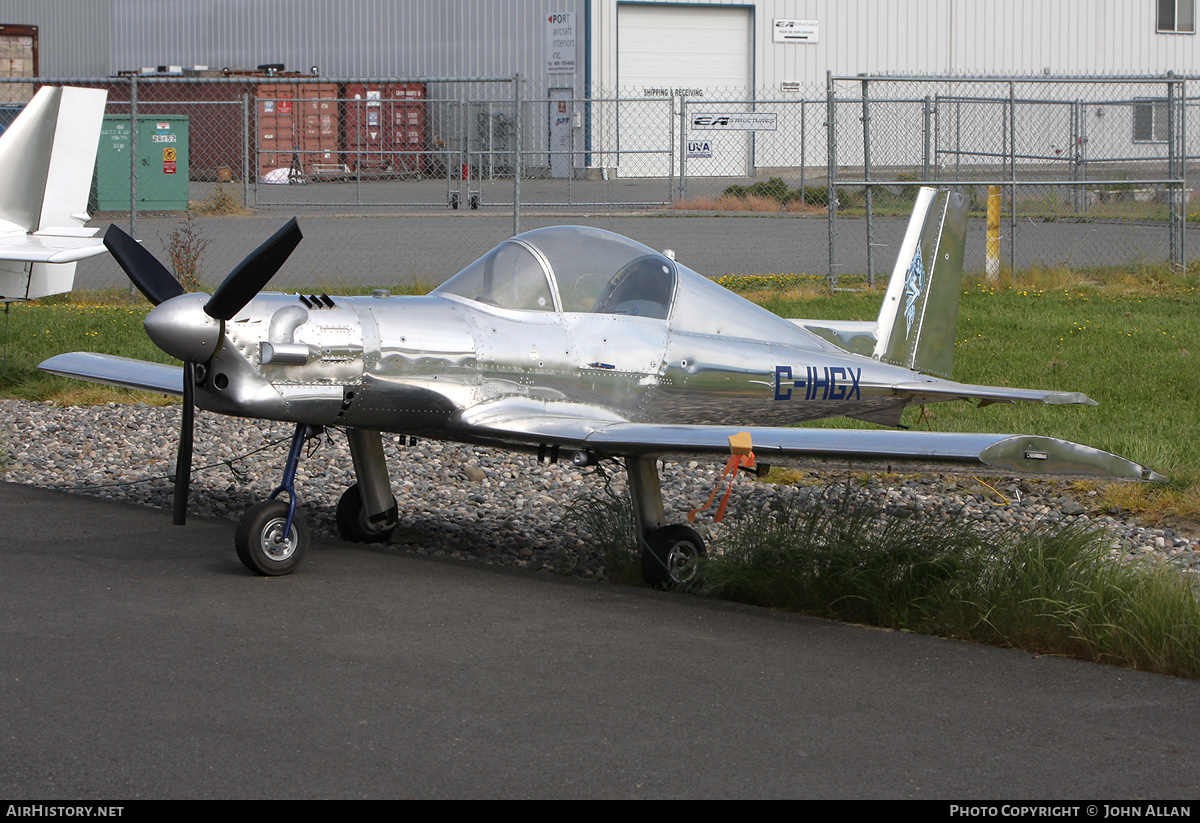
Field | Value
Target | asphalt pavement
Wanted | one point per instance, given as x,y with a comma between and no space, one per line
140,660
385,246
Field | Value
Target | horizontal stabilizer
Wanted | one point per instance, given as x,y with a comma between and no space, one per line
855,336
35,248
932,392
117,371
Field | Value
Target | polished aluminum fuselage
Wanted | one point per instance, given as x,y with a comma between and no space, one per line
420,364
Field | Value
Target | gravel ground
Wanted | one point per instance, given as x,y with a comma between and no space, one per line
465,502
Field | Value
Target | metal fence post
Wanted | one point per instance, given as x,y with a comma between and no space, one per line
868,189
518,127
682,145
957,140
246,149
671,186
1012,166
133,155
925,156
831,176
1183,173
936,153
1174,193
803,160
1079,113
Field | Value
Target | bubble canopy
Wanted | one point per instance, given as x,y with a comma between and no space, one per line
570,269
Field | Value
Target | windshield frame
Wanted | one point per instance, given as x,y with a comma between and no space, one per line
583,253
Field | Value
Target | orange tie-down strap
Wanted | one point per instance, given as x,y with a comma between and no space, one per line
742,455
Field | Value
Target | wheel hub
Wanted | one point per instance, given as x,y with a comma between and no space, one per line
681,561
275,544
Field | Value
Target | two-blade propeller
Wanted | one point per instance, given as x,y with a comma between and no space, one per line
237,289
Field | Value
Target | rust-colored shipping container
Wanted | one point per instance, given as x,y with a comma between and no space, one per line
214,112
275,121
385,128
297,128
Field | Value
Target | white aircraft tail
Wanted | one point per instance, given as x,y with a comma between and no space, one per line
919,316
47,157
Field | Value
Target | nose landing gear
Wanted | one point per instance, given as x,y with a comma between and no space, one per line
271,538
267,543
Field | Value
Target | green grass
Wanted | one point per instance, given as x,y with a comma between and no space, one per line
109,323
1128,339
1130,343
845,556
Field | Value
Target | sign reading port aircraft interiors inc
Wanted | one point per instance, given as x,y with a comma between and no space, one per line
560,43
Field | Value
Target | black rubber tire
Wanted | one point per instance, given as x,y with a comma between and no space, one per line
352,522
257,544
668,558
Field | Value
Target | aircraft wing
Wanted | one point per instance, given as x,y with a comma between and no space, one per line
43,248
117,371
527,424
856,449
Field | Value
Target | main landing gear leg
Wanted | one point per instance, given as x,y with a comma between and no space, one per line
366,512
669,552
271,538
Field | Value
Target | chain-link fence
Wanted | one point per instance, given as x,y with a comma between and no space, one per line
1084,172
397,179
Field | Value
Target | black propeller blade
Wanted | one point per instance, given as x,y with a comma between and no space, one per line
183,460
150,276
253,273
238,289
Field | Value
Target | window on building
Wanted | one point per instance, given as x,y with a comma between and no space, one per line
1177,16
18,58
1149,121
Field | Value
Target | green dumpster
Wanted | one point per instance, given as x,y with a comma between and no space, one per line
162,164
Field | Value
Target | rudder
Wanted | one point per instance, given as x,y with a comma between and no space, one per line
919,317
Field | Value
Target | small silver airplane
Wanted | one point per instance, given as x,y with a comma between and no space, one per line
573,342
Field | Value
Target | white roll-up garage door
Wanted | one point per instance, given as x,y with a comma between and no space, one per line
702,52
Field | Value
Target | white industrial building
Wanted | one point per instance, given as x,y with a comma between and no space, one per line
663,60
753,44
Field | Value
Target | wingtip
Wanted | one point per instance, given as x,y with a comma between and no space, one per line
1065,398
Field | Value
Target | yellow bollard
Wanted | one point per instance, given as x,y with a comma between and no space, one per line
991,266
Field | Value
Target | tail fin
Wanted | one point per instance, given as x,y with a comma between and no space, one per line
919,316
47,157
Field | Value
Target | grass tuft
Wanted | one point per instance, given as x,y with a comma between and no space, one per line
748,203
606,519
185,247
223,201
841,553
1053,589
